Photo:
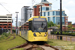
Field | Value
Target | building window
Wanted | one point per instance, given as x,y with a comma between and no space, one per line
48,14
53,19
4,27
66,20
44,13
9,17
48,19
4,24
50,8
43,8
0,24
53,12
58,20
57,12
49,4
35,6
9,27
47,8
63,13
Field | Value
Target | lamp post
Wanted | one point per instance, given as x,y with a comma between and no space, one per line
61,17
16,23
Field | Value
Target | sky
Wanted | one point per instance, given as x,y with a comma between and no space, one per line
15,6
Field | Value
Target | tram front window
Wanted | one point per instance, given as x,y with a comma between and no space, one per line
39,26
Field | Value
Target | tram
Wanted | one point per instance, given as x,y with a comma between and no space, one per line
35,29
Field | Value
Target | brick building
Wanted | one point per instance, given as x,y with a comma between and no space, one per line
6,22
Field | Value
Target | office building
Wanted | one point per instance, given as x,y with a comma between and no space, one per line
51,15
26,13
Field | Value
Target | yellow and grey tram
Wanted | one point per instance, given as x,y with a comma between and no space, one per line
35,29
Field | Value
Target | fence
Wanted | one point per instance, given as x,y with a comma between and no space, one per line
62,37
2,31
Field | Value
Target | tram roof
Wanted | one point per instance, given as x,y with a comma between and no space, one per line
37,17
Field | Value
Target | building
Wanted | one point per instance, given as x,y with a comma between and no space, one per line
69,23
26,13
73,25
6,22
52,15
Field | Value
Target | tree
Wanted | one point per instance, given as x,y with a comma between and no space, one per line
69,27
50,24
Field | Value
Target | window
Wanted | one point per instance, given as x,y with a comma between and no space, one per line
48,19
4,24
66,20
4,27
53,12
47,8
49,4
9,17
57,12
53,19
43,8
40,26
63,13
35,6
48,14
44,13
58,20
9,24
0,24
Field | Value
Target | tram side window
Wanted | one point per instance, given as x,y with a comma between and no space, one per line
30,25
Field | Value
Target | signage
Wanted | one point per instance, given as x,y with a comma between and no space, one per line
39,19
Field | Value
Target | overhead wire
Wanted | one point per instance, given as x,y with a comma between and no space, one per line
5,8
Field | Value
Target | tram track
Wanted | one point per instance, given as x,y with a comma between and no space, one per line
35,46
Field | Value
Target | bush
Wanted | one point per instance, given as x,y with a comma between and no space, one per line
63,33
6,34
14,31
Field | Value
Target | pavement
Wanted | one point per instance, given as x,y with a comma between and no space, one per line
46,48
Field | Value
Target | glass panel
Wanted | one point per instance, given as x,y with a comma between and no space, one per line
48,19
53,12
53,19
44,13
58,20
39,26
47,8
48,14
57,12
43,8
63,13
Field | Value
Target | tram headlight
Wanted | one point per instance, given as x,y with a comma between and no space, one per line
34,34
45,34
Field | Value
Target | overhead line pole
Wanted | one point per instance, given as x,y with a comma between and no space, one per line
61,17
17,23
